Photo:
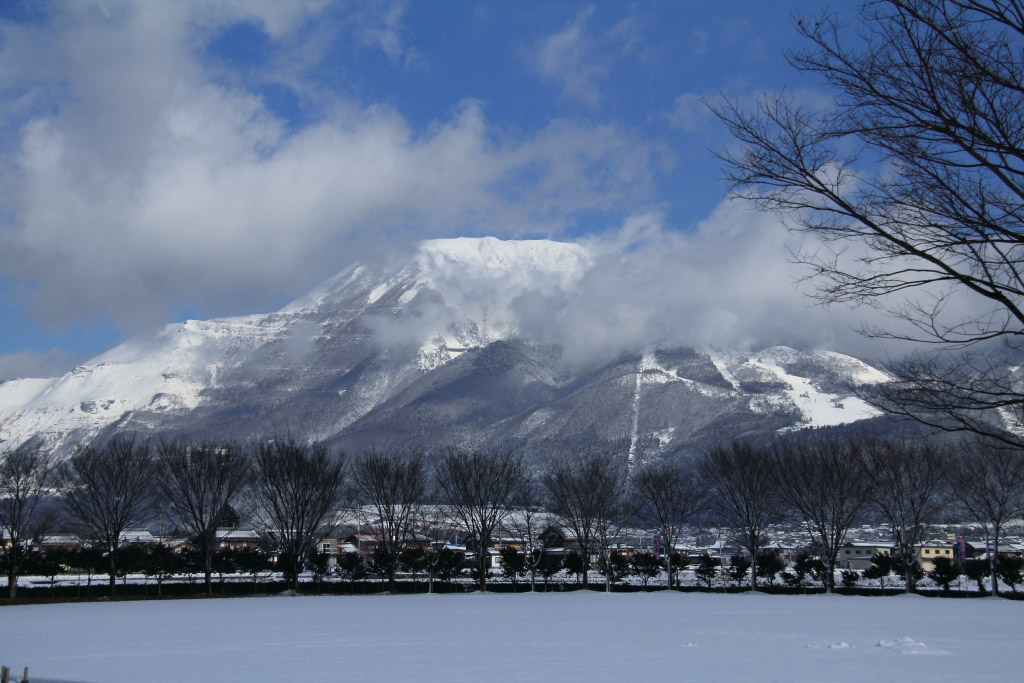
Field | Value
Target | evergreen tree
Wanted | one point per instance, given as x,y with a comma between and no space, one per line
513,564
252,561
573,564
768,565
1009,569
351,567
413,560
977,571
738,568
223,561
881,567
645,566
613,566
707,570
944,572
549,565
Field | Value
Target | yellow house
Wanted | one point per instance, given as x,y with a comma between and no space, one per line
927,553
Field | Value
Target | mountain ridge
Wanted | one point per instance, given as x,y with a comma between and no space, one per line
422,347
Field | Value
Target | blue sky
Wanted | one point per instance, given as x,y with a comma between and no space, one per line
197,159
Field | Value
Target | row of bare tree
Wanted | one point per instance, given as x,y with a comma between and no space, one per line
300,492
823,482
102,492
828,483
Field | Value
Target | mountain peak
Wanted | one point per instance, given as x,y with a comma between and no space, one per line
495,257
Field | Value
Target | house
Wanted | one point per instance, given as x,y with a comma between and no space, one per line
858,554
237,539
926,553
782,552
722,549
365,543
60,542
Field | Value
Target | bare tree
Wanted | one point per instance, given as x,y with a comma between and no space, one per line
913,182
988,483
821,481
297,489
434,523
740,480
25,475
107,490
196,483
527,521
586,495
908,486
394,487
669,495
478,487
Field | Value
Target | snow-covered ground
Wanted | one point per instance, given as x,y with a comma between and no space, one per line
563,636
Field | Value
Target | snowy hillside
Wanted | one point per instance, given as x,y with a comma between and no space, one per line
422,346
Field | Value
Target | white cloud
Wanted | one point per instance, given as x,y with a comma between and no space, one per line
578,58
138,181
731,283
689,113
383,29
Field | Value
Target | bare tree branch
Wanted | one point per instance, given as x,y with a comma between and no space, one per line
196,482
913,183
669,495
107,490
297,488
394,487
25,476
740,480
478,487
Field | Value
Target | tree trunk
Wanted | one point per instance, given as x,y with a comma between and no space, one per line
753,573
992,559
208,572
608,572
586,570
12,577
483,568
113,575
830,579
392,586
668,567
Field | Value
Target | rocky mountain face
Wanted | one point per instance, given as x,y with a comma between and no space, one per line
420,348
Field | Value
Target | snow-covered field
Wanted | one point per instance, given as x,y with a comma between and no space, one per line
562,636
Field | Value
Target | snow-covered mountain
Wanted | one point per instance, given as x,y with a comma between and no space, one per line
421,347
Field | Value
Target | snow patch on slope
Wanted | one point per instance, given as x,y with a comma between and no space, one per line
819,409
15,393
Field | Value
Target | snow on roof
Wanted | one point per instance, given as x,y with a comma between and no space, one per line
60,539
137,536
237,535
869,544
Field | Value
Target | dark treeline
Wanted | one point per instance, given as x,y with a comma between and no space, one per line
568,516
